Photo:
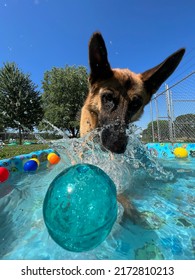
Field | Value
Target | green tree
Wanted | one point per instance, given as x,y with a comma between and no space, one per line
64,92
2,128
1,121
163,129
19,100
185,126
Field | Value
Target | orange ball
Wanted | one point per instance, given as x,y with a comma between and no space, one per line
54,159
49,155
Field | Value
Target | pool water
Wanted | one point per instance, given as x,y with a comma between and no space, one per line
163,192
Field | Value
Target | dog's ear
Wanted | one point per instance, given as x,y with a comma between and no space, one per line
153,78
98,61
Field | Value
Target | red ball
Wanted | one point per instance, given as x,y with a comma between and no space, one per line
4,174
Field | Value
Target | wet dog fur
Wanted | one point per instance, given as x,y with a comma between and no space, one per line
117,97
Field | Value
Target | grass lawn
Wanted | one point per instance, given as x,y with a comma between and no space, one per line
12,151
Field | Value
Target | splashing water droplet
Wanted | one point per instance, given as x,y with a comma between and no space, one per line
120,167
56,129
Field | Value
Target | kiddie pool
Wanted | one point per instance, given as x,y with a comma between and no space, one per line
161,187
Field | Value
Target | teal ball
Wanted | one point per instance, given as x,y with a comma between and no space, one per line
80,207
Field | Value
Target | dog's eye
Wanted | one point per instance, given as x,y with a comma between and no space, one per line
107,97
136,103
108,101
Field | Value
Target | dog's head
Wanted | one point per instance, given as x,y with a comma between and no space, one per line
117,96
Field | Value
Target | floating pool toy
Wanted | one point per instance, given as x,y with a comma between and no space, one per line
53,158
49,155
30,165
27,143
180,152
36,159
80,207
4,174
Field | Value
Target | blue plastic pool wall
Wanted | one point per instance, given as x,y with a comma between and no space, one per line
165,150
159,150
15,164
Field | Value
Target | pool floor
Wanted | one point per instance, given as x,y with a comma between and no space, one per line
165,228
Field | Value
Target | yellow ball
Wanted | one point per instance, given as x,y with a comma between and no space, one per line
50,155
180,152
36,159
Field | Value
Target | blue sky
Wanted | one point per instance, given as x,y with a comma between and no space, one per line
40,34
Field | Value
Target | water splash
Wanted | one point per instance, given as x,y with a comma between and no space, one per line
56,129
122,168
37,135
138,156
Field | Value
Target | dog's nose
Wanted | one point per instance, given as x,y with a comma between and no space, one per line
115,141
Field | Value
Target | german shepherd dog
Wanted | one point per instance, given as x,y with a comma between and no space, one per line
117,97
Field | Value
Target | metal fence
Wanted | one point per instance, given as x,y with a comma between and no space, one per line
173,113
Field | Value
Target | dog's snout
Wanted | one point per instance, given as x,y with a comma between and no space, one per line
114,140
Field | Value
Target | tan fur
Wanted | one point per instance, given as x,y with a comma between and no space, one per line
103,77
92,105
